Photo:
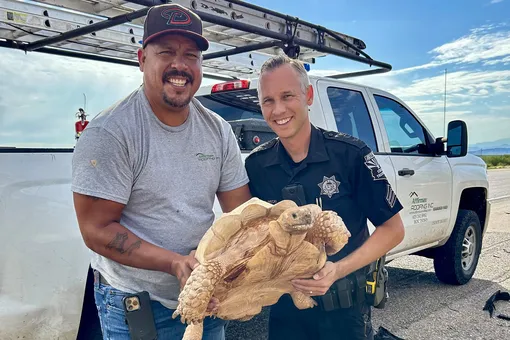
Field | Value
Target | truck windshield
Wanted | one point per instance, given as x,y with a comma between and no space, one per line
236,105
241,109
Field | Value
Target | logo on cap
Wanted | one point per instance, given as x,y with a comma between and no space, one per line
176,17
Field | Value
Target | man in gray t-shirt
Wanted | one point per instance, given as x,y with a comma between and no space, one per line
146,172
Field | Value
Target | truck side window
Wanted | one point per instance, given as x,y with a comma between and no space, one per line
351,115
405,134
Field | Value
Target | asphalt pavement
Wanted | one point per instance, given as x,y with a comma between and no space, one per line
421,307
499,183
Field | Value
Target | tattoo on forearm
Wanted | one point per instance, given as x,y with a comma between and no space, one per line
118,244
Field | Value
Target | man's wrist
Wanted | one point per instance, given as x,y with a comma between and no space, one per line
170,263
344,267
340,270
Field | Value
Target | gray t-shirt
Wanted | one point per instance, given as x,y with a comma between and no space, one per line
166,176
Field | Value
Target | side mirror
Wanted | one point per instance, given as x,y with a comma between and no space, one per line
457,140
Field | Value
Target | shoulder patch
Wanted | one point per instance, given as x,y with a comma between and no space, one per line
375,168
265,146
342,137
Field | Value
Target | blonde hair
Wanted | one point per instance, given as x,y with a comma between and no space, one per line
282,59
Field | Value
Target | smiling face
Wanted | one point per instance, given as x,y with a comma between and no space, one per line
172,71
284,101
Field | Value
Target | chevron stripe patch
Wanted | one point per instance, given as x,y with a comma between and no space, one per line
391,197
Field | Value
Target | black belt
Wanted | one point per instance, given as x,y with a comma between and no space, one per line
100,278
345,293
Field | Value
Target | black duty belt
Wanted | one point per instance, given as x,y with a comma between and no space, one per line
345,293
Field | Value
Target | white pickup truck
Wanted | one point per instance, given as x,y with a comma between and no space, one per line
444,194
45,283
443,189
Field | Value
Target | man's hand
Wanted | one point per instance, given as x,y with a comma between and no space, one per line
182,269
321,281
183,266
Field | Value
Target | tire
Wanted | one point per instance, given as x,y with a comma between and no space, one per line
453,263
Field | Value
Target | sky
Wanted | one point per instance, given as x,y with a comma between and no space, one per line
40,93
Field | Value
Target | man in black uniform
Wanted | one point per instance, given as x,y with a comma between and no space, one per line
338,172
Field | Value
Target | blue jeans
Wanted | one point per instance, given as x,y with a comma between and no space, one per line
113,325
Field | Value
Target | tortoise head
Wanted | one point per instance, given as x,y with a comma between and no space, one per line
299,220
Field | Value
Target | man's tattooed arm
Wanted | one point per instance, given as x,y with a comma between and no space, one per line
118,244
99,222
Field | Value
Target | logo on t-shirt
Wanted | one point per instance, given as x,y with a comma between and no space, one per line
204,157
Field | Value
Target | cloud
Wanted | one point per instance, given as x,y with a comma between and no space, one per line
383,81
469,96
482,127
477,83
430,106
42,93
472,84
487,45
496,1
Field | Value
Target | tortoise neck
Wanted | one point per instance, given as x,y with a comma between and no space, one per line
284,242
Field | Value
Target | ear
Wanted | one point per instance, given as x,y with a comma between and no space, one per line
141,58
309,95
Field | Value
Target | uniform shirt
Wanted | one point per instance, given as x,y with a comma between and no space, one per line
167,177
340,173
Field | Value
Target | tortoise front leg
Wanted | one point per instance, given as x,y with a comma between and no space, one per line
194,331
198,291
329,230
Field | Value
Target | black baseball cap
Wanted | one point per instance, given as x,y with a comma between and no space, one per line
173,18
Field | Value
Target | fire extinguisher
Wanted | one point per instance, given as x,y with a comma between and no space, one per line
80,125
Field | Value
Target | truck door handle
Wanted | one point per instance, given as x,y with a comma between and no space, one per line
405,172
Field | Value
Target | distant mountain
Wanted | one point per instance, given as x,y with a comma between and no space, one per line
493,151
500,143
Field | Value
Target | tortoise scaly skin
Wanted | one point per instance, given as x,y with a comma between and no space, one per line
249,256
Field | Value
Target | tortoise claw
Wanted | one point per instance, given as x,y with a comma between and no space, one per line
198,291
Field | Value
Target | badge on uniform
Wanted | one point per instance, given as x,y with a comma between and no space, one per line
329,186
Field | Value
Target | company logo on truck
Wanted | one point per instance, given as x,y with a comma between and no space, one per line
421,204
420,207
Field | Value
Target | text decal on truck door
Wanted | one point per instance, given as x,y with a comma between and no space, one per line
420,207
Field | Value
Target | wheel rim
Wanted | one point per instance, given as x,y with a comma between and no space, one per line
468,248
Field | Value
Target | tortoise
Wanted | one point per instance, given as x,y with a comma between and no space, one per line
249,256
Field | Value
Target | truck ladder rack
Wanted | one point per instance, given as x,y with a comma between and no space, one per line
242,35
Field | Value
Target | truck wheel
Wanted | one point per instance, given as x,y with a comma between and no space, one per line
455,262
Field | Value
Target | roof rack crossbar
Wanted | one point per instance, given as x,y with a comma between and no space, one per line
339,53
303,22
336,36
70,53
149,3
286,38
242,35
357,73
120,19
242,49
95,57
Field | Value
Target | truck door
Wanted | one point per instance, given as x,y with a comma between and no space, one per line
423,180
346,108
